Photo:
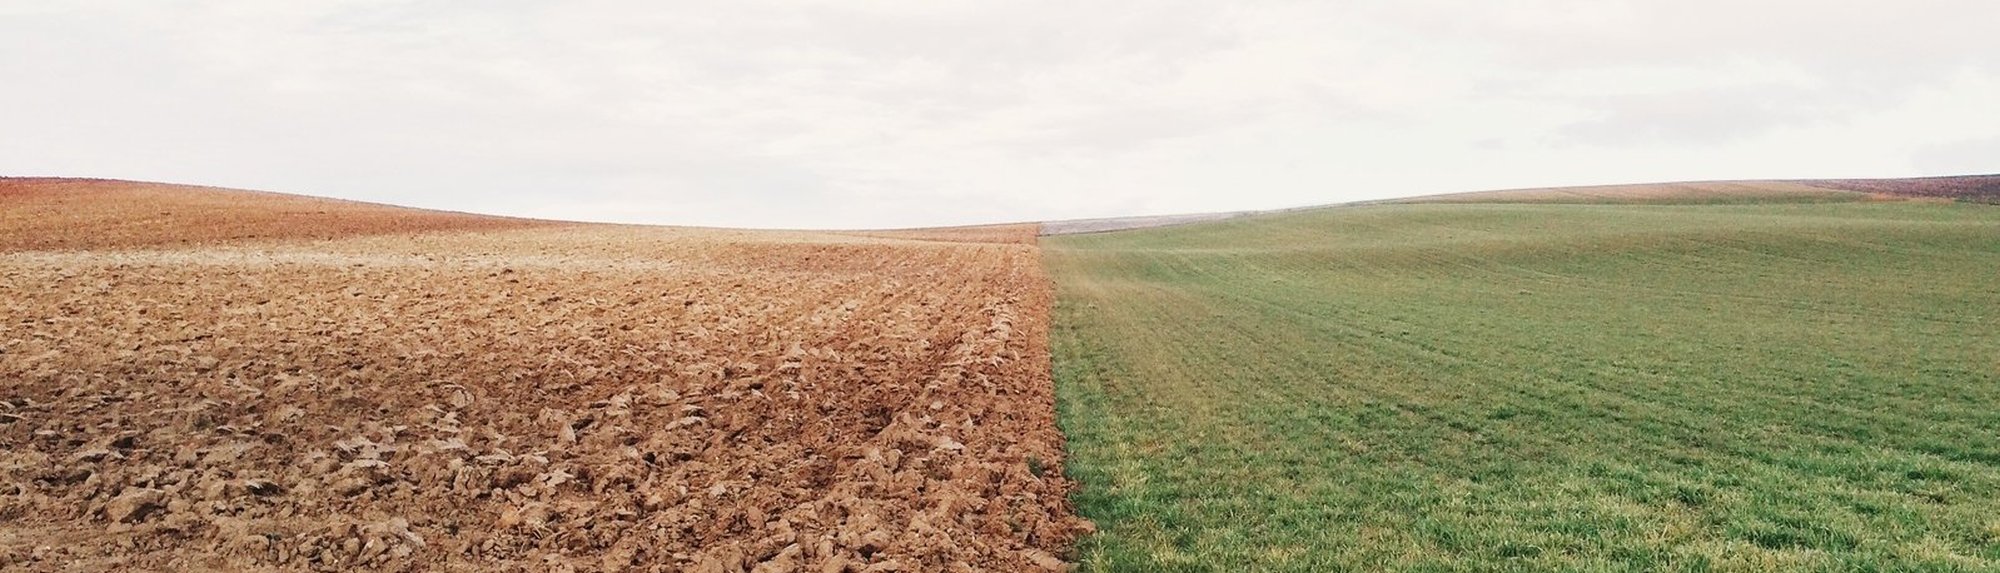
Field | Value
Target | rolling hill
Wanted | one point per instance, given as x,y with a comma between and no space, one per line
207,379
1657,194
67,213
1974,188
1708,376
1712,377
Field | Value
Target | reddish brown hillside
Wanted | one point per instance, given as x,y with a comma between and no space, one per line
558,397
1022,233
1980,188
70,214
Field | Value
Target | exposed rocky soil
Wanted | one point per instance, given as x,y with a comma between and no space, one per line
494,395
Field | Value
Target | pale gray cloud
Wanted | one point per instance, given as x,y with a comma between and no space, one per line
1705,117
1969,156
803,113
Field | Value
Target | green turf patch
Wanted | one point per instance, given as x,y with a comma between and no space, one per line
1538,388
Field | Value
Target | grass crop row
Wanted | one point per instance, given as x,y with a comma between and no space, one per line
1538,388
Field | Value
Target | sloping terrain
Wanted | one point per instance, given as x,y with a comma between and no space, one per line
1023,233
381,389
1080,226
1538,387
1709,192
56,214
1974,188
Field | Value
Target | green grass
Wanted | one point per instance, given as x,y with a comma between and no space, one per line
1806,387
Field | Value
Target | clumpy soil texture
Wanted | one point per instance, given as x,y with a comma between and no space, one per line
526,397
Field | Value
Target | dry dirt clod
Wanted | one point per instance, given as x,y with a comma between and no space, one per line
262,487
1044,560
352,486
135,505
95,455
888,566
786,561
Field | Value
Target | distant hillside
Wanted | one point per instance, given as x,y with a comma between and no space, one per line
1646,193
68,214
1079,226
1977,188
1003,233
1652,193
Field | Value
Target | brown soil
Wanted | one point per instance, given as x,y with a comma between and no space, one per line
1976,188
50,214
979,234
491,394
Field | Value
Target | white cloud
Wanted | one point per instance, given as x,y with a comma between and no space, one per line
887,113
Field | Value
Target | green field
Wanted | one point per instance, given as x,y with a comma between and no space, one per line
1491,387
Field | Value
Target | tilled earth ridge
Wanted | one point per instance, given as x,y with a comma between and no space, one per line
48,213
554,398
1974,188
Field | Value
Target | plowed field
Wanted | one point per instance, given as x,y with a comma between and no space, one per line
381,388
1970,188
67,214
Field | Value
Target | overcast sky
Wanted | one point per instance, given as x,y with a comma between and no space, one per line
928,112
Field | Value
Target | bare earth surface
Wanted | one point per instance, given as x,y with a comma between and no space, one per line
980,234
193,379
49,213
1978,188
